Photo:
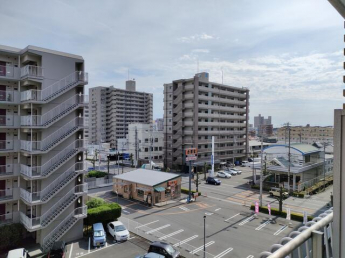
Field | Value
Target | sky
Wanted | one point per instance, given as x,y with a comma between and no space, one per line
288,53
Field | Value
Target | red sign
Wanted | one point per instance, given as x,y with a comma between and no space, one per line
256,207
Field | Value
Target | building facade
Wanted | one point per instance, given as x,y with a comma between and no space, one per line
306,134
112,110
159,124
195,110
42,142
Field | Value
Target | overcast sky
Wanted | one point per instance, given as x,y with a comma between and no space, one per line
288,53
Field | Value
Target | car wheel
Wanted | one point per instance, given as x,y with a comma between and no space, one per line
271,194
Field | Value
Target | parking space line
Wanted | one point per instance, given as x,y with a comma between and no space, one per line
156,229
250,256
224,252
217,209
246,220
185,241
263,225
99,249
208,213
171,234
184,208
280,230
232,217
70,251
147,224
201,247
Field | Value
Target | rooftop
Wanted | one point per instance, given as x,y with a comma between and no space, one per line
147,177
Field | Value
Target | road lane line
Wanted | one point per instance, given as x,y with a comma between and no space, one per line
280,230
263,225
208,213
70,251
185,241
224,252
147,224
246,220
184,208
156,229
201,247
232,217
171,234
217,209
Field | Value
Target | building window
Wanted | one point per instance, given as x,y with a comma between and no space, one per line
156,139
140,193
146,149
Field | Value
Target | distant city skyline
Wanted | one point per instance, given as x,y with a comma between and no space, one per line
292,64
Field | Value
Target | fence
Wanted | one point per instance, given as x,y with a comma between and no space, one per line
153,234
98,182
310,183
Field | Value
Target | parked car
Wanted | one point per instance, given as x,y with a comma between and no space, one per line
276,192
118,231
244,164
164,249
98,235
231,171
58,250
223,174
213,181
237,170
18,253
150,255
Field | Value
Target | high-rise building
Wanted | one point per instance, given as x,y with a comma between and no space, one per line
112,110
41,142
196,109
260,120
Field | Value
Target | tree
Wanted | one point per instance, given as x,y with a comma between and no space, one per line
205,170
131,157
196,182
280,199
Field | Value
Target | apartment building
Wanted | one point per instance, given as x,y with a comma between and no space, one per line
86,122
195,110
306,134
41,142
112,110
159,124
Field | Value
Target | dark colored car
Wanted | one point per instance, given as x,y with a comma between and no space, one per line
213,181
163,249
58,250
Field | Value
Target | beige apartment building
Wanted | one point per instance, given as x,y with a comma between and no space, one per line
196,109
306,134
111,110
41,142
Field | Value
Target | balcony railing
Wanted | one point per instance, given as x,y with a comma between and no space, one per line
9,71
56,88
8,145
8,218
5,194
312,240
9,120
9,96
31,71
53,163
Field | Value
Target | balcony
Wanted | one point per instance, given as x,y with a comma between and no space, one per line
31,71
9,170
9,72
53,188
56,89
59,207
9,218
9,146
9,97
9,121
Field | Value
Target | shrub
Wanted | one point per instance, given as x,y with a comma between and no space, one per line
96,174
264,188
298,194
275,211
104,214
186,191
95,202
11,236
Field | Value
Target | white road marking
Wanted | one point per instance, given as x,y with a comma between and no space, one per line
156,229
125,211
246,220
224,252
171,234
217,209
185,241
131,238
232,217
96,250
280,230
250,256
147,224
70,251
208,213
184,208
263,225
201,247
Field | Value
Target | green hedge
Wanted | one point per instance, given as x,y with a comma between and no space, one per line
95,202
104,214
186,191
97,174
11,236
275,211
265,188
298,194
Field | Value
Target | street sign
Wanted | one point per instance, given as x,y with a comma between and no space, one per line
269,209
189,158
191,154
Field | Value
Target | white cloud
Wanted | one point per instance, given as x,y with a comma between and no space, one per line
196,37
206,51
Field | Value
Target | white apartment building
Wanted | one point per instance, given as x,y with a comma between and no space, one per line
306,134
143,143
41,142
112,110
196,109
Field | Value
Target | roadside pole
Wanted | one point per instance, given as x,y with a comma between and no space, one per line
191,154
190,181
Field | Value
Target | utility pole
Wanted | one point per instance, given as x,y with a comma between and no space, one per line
289,158
136,146
261,172
151,142
190,181
233,150
118,162
324,166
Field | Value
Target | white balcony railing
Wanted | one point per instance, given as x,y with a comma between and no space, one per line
31,71
314,239
9,71
54,113
53,163
56,88
54,211
9,96
8,145
7,193
52,139
50,190
7,218
9,120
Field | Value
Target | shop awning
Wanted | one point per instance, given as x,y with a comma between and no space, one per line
159,189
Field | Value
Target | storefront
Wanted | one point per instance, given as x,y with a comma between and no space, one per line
148,186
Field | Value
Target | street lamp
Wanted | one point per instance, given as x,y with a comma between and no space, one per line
204,236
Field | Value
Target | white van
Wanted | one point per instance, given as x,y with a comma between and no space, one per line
245,164
18,253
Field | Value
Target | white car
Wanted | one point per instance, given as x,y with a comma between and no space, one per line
117,230
237,170
223,174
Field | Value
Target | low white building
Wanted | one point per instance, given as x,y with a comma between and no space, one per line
255,147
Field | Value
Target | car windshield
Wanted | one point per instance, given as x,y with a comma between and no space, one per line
170,250
98,233
120,228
